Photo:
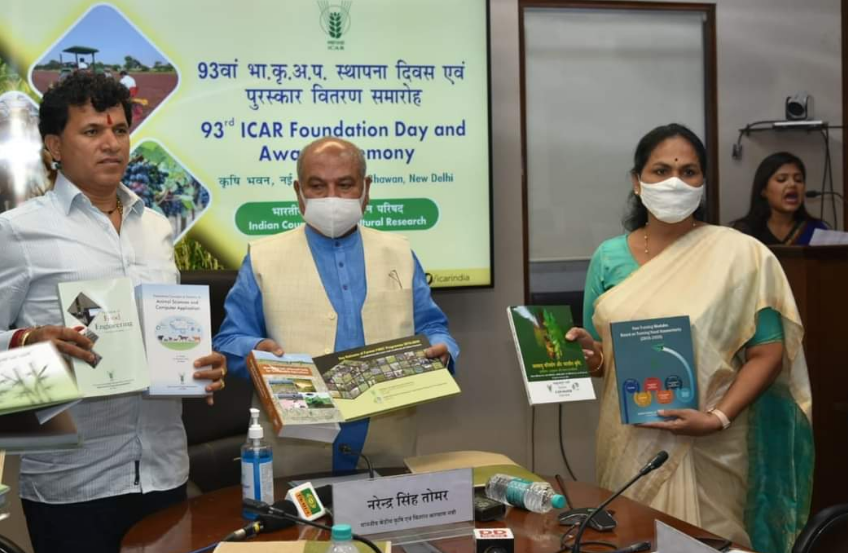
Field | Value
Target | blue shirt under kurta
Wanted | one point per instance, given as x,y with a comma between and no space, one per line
341,266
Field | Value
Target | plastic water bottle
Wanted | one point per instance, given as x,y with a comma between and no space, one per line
342,540
538,497
257,467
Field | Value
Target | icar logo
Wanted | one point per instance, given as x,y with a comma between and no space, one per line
335,22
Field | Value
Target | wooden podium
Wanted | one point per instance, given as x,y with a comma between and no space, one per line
819,279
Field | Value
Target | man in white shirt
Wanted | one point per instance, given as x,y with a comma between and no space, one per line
133,458
129,82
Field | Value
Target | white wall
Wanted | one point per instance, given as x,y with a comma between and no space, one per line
767,50
491,412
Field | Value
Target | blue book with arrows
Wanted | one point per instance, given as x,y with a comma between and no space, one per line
654,367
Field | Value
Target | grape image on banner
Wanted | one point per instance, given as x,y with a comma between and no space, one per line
166,186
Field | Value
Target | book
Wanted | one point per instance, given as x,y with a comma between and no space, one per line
294,396
382,377
483,464
553,369
306,398
23,431
105,312
35,377
654,367
176,328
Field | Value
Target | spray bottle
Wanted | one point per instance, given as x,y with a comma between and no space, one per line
257,467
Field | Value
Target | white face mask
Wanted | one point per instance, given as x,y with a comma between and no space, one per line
671,200
333,216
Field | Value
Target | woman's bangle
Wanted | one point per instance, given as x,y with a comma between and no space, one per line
719,414
600,364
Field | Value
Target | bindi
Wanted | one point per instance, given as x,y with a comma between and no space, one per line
109,121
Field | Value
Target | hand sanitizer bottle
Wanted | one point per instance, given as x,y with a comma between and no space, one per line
257,467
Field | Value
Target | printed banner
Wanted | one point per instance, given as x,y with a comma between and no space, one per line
225,96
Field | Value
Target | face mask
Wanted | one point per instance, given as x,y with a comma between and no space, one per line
671,200
333,217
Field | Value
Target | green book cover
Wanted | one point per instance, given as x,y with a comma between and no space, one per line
382,377
553,369
34,377
105,312
654,367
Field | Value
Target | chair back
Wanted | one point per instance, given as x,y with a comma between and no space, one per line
826,532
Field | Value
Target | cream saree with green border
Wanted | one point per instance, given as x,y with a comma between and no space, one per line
753,479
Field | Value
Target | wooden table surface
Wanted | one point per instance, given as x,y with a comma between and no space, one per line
205,519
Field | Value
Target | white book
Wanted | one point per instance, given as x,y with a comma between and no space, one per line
176,324
105,312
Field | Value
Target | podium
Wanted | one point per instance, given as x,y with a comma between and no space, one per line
819,280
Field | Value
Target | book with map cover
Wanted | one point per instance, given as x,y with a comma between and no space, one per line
306,398
385,376
177,330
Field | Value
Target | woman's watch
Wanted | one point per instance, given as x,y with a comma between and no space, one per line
725,422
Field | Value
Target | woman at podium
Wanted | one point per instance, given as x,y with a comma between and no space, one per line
777,214
740,465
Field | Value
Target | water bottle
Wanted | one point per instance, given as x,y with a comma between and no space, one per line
538,497
342,540
257,467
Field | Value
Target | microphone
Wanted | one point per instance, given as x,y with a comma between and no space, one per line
652,465
817,193
248,531
264,523
345,449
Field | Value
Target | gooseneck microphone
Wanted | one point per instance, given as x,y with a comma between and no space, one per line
265,523
655,463
345,449
817,193
273,512
248,531
652,465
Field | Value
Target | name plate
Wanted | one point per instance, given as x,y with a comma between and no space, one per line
403,502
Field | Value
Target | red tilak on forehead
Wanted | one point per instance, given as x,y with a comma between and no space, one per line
108,118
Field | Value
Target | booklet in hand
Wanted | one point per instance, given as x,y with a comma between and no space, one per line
553,369
304,396
177,330
294,396
654,367
36,387
105,312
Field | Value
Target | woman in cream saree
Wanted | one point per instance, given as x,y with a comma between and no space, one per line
749,482
720,279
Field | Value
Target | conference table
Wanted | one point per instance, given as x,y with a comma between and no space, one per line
206,519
